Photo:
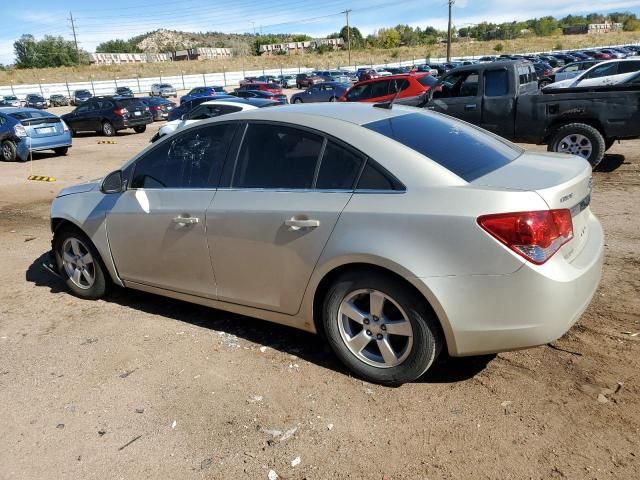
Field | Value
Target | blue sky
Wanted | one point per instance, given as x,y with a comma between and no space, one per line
99,21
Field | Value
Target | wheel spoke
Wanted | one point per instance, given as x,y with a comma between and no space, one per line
400,327
387,352
75,247
67,257
87,258
359,342
376,302
76,276
353,312
87,277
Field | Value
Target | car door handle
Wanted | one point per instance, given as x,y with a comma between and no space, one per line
471,106
297,223
186,220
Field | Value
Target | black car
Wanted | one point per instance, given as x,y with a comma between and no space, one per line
80,96
159,106
186,107
280,98
34,100
124,92
546,75
107,115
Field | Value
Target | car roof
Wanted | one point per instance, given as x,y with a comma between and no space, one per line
255,102
26,109
351,112
394,77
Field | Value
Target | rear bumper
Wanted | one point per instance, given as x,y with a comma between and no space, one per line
533,306
48,143
134,122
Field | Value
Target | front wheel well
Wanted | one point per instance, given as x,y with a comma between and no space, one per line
363,268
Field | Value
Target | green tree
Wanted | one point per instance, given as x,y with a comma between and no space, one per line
357,41
118,46
300,38
499,47
389,38
631,25
49,52
545,26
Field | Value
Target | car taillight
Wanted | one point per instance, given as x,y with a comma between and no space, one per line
146,109
65,128
547,72
121,111
20,131
536,236
157,107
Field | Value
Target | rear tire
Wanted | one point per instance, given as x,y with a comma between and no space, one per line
108,130
378,355
61,151
79,264
579,139
140,129
9,151
297,100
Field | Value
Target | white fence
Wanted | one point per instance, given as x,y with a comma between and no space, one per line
185,82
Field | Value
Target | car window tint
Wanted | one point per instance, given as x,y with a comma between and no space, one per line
602,71
380,89
339,168
463,149
628,67
463,84
427,81
277,156
496,83
193,159
375,177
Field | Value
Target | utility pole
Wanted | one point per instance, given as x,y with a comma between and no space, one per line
451,2
347,12
75,39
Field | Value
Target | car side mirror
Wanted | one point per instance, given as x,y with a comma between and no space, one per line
112,183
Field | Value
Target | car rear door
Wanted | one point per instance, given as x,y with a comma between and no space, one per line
267,230
156,228
498,102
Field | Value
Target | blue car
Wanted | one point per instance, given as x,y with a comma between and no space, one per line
322,92
32,130
200,92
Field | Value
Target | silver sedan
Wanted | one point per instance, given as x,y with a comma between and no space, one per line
395,232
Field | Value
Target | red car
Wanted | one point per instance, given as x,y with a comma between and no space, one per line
264,86
413,89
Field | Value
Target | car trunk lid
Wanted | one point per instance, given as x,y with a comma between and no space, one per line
43,126
561,180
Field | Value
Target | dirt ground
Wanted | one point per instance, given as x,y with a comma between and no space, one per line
139,386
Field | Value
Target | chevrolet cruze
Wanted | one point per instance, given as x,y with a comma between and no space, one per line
394,232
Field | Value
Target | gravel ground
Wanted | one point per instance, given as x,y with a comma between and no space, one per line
139,386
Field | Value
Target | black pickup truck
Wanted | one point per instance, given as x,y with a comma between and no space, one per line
503,97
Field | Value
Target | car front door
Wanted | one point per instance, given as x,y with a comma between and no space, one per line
268,228
156,227
459,96
79,119
498,103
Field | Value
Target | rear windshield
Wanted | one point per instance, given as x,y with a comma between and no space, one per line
129,103
29,114
427,81
83,92
465,150
218,89
165,85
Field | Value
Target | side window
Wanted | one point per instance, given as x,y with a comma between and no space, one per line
496,83
571,68
380,88
193,159
360,92
398,84
339,168
463,84
628,67
277,156
83,108
374,177
603,71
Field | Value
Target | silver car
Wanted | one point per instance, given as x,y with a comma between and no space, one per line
163,90
394,232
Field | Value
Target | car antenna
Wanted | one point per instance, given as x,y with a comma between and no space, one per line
389,104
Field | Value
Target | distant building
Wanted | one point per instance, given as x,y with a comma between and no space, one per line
575,29
605,27
201,53
293,48
118,58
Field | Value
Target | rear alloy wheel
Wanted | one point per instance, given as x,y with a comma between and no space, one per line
140,129
108,130
579,139
79,264
61,150
381,330
9,151
297,100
